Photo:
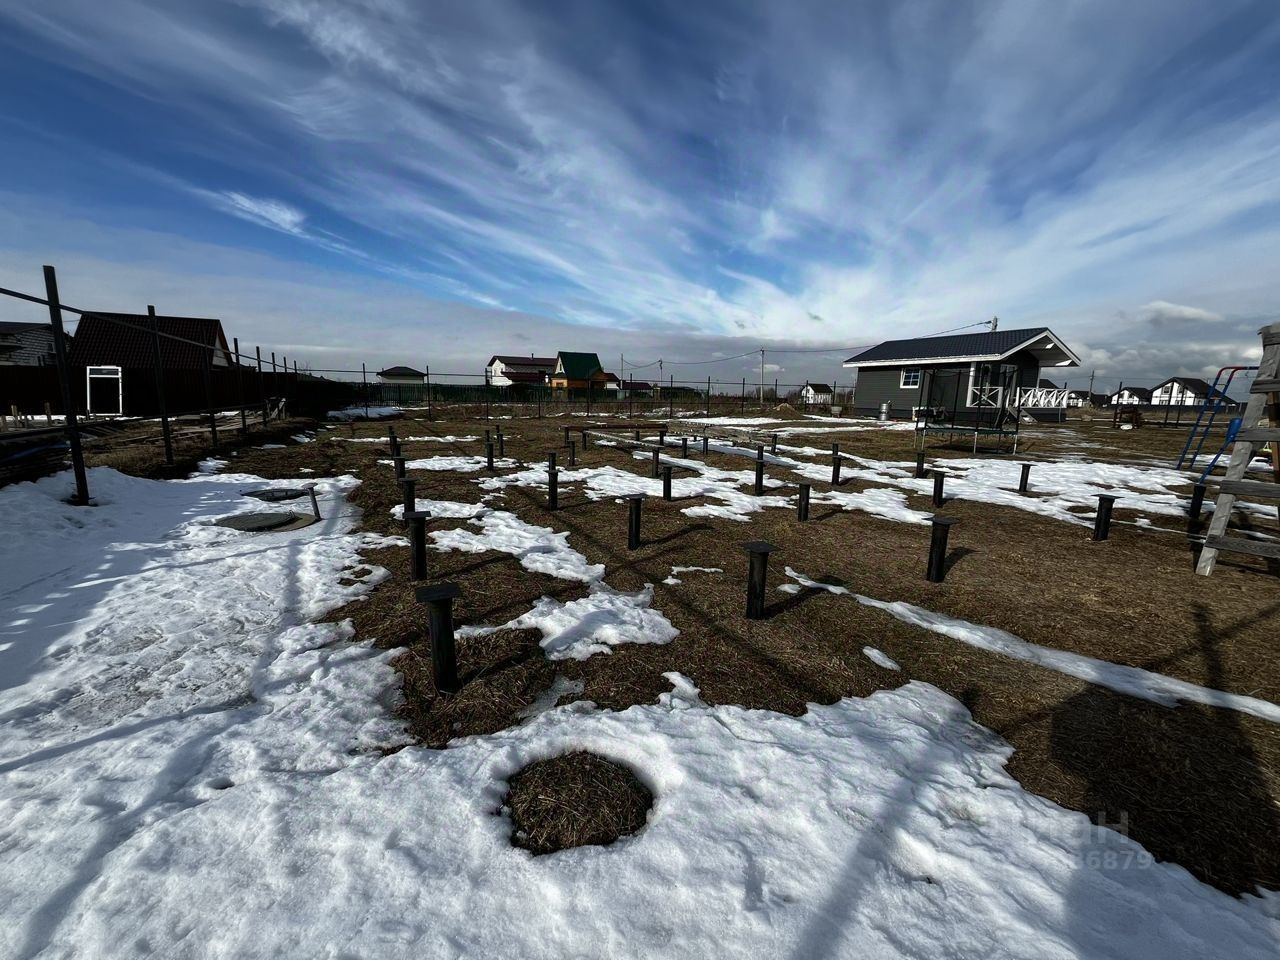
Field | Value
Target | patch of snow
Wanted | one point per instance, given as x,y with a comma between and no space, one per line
444,509
592,624
880,658
457,464
540,549
358,413
211,465
1133,681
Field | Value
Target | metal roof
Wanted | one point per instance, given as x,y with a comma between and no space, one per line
401,372
125,340
523,361
992,345
577,366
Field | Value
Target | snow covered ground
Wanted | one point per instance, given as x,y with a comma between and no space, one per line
191,768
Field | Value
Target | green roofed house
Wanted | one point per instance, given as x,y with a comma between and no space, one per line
578,371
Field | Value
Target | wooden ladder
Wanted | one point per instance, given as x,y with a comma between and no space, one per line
1263,395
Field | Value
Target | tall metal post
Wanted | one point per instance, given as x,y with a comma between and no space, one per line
802,503
262,388
430,412
244,416
64,381
364,384
208,399
164,411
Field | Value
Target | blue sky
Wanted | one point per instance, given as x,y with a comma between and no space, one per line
393,181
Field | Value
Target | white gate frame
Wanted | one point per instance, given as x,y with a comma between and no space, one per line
104,373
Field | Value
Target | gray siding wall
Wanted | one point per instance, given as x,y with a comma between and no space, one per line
878,384
34,347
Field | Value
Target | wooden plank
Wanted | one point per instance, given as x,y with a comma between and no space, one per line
1251,488
1256,548
1271,385
1260,435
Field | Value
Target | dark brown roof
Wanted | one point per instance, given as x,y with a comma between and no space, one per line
524,361
525,376
125,340
402,372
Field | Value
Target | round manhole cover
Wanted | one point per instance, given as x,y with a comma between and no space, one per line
262,522
277,494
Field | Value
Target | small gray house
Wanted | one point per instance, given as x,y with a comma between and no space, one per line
961,376
27,345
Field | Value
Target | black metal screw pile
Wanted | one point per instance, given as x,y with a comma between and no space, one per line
666,482
633,520
759,552
835,464
410,501
773,445
573,453
1102,522
566,436
802,504
937,569
684,446
315,504
1197,506
439,599
705,441
1024,477
417,521
939,479
502,444
920,465
398,463
759,478
656,465
488,453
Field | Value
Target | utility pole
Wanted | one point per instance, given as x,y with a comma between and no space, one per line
762,376
995,322
1091,374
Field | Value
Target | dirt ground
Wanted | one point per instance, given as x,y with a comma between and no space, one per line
1197,786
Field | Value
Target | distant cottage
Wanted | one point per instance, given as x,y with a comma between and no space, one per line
816,393
508,370
401,375
964,373
27,345
578,371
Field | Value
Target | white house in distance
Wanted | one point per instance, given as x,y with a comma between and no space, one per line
1185,392
816,393
1130,396
401,375
506,370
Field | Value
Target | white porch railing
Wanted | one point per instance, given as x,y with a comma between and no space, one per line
1042,397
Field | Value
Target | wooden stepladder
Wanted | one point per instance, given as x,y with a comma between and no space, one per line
1264,395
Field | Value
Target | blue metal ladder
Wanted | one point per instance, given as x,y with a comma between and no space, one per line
1214,404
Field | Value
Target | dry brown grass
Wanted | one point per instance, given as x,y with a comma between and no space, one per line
575,800
1195,785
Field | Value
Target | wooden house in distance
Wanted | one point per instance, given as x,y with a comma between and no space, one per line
578,371
27,345
962,373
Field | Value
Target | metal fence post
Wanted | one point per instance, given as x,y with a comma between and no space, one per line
64,381
244,416
164,411
262,388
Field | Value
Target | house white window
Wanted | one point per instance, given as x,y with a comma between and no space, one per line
910,378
